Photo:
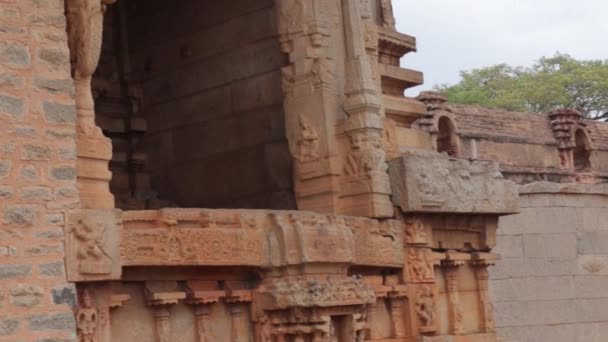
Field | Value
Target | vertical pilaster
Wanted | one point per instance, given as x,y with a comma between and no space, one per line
365,186
161,296
94,150
451,266
481,262
307,34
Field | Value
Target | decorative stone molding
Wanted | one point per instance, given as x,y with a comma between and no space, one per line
317,291
101,242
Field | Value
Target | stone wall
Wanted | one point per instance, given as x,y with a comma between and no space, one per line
551,282
211,81
37,171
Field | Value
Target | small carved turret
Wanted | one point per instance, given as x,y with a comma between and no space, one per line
562,123
434,101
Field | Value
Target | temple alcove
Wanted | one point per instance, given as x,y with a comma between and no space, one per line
190,94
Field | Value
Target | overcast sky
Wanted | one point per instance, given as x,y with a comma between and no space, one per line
456,35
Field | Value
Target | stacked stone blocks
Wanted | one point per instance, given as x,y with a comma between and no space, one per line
37,171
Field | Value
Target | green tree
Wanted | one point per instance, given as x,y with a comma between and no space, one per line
553,82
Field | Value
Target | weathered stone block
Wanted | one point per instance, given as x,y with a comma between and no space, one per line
517,314
15,271
36,193
553,246
534,289
8,326
57,59
20,215
26,295
52,269
64,173
65,294
591,286
593,242
59,113
12,106
14,54
434,183
55,86
510,246
49,322
5,168
36,152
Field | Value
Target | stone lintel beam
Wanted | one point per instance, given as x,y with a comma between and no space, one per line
101,242
428,182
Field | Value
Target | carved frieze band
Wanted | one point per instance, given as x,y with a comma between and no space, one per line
100,242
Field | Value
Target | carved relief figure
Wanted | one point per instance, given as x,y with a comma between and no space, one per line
420,266
90,251
414,231
87,318
367,157
425,308
308,144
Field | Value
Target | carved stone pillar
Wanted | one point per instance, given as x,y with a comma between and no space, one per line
238,299
481,262
397,317
451,266
310,98
85,26
162,323
238,321
562,124
202,313
161,296
365,187
202,295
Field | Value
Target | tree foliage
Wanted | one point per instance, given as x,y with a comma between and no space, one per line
553,82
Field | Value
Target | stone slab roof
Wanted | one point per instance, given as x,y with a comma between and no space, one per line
503,125
500,124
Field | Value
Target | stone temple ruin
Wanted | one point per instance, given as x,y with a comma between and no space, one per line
240,170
